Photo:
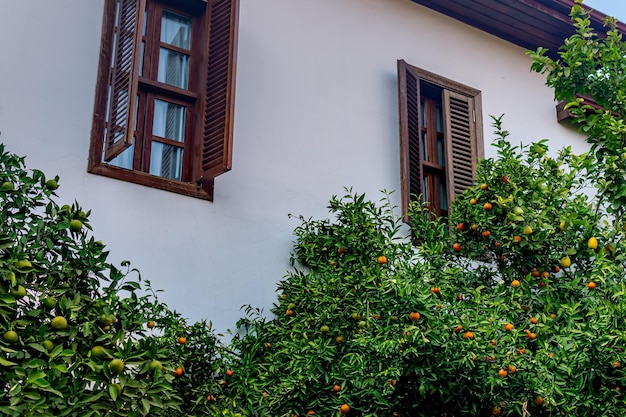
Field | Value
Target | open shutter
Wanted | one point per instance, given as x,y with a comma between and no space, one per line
461,149
411,168
219,100
124,78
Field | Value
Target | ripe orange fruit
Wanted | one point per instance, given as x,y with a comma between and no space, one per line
474,227
229,372
508,327
591,285
545,274
532,336
517,239
340,251
150,324
310,413
522,351
515,283
488,206
336,387
435,290
512,369
339,339
592,243
503,373
485,233
414,316
494,342
458,328
456,247
556,269
210,398
178,372
382,260
496,410
473,201
534,320
535,273
182,340
345,408
468,335
617,364
552,316
483,186
538,400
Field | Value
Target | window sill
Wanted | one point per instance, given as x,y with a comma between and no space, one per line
563,114
142,178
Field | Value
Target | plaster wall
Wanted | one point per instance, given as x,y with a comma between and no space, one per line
316,110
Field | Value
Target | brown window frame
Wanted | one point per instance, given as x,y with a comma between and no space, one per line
208,100
462,134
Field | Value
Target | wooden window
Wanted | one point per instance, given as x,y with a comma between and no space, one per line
165,93
440,137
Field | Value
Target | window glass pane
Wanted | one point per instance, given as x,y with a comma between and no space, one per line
166,160
169,120
443,196
441,160
176,30
173,68
143,48
439,113
125,159
424,146
423,111
425,189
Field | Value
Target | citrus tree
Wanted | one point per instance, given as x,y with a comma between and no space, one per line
79,336
512,306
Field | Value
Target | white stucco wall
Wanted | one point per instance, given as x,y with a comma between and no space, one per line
316,110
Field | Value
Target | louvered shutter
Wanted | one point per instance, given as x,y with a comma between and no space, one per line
461,152
411,168
124,78
220,88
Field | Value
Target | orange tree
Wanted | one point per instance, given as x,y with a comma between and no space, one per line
512,306
78,336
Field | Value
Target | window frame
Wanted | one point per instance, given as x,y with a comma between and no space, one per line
209,98
410,115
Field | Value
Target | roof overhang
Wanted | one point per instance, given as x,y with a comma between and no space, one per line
527,23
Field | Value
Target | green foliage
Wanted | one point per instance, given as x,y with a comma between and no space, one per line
592,65
75,340
527,319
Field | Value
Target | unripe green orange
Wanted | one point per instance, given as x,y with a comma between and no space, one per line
116,366
10,336
59,323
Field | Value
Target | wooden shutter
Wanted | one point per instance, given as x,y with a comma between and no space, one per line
219,98
124,78
411,168
460,134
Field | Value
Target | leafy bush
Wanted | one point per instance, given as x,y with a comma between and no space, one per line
79,337
517,308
